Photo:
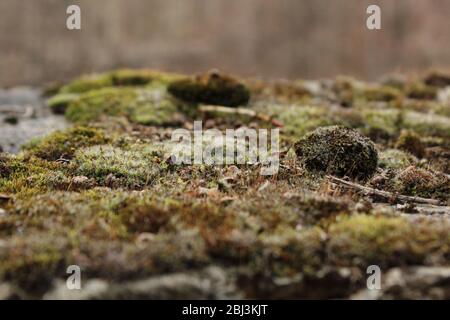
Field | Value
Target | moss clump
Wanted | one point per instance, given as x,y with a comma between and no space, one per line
138,105
339,151
437,79
5,169
211,88
421,91
144,216
59,103
386,241
104,102
427,124
410,141
420,182
118,78
63,144
395,159
381,124
32,264
115,167
87,83
383,93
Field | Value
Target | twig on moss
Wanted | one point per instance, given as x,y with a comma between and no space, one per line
384,194
241,111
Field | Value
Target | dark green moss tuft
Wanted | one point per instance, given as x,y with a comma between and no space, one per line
212,88
338,151
437,79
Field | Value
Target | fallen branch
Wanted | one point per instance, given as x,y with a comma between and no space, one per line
384,194
241,111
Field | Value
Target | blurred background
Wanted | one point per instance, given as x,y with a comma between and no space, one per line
264,38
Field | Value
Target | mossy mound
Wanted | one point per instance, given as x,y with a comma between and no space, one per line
211,88
58,104
122,77
116,167
5,169
437,79
420,182
138,105
339,151
395,159
365,240
421,91
410,141
63,144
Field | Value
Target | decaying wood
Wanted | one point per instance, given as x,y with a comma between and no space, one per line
241,111
381,193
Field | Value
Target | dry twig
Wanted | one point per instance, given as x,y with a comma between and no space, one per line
384,194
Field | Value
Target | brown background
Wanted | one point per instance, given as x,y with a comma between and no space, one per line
268,38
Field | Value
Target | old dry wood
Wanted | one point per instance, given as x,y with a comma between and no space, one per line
241,111
385,194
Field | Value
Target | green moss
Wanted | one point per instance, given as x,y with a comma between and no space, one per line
59,103
383,93
300,120
87,83
5,169
420,182
395,159
115,167
32,265
122,77
437,79
291,253
160,113
104,102
421,91
381,123
427,124
410,141
338,151
63,144
138,105
212,88
386,241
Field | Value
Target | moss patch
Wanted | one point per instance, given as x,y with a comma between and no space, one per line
339,151
212,88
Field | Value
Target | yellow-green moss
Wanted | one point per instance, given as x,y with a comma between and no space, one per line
410,141
138,105
122,77
395,159
63,144
59,103
364,240
421,91
116,167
